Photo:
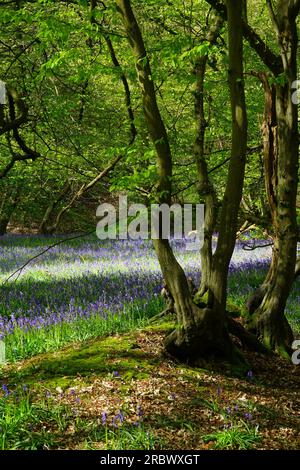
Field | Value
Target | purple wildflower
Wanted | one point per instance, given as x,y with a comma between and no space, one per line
114,424
120,416
5,390
104,417
136,423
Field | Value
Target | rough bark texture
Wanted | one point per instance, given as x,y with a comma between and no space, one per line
201,331
269,321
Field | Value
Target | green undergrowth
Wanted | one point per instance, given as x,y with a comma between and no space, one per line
237,437
25,344
101,357
44,424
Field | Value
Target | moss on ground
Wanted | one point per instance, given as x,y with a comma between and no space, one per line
100,357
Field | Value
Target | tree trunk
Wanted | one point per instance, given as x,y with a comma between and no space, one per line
45,227
269,320
205,187
9,203
270,161
4,221
200,331
235,181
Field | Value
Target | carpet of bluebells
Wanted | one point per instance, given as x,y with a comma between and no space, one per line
87,287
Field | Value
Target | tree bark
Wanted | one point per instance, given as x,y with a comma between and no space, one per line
44,227
171,270
281,167
235,180
4,221
200,331
205,187
9,202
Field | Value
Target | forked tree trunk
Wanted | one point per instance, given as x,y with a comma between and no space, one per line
45,226
269,320
200,331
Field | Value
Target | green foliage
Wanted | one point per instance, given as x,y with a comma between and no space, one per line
196,52
126,437
21,344
60,63
24,423
28,423
237,437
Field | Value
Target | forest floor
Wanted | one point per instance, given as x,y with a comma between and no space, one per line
120,391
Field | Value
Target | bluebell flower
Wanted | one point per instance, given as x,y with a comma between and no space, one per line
104,417
5,390
139,411
120,416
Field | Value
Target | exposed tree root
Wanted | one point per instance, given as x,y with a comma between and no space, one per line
249,341
275,333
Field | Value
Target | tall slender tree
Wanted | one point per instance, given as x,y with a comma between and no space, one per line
281,149
200,330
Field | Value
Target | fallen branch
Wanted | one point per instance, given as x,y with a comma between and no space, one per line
253,247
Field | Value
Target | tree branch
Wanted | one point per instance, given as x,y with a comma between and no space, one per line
269,58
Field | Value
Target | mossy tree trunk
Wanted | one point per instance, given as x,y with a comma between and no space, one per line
200,331
269,320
